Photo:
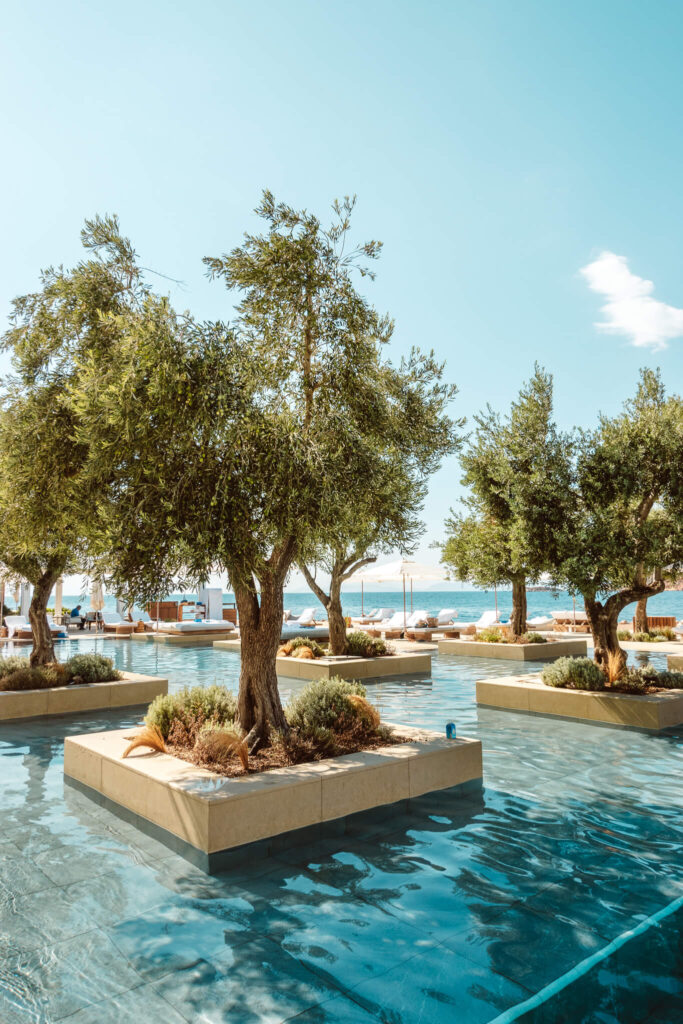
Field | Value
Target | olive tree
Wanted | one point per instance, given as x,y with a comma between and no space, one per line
626,510
518,471
47,502
237,445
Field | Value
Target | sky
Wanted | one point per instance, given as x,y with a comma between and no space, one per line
520,162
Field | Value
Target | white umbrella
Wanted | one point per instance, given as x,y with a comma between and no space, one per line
402,569
96,597
24,599
59,588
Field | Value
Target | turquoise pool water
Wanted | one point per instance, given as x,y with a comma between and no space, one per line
552,897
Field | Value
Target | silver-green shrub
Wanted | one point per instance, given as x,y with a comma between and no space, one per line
212,704
575,673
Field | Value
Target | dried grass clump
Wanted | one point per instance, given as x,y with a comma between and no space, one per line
150,736
285,650
615,667
304,653
221,744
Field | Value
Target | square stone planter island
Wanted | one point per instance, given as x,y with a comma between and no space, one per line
213,820
346,667
515,652
65,700
653,712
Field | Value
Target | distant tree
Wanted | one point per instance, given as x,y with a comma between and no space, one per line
47,503
238,446
626,510
517,470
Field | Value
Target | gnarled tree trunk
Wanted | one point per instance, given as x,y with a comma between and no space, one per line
640,623
518,616
603,618
259,708
43,648
342,569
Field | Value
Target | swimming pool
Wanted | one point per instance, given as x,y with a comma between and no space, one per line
559,883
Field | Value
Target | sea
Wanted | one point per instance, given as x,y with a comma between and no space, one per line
469,604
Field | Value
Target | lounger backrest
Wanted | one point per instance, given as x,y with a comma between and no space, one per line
111,618
14,622
446,615
307,615
487,619
396,621
416,617
382,614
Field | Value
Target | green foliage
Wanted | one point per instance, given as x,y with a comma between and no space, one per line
360,644
624,634
517,472
533,638
11,664
490,636
303,641
574,673
663,633
92,668
642,638
206,704
324,705
26,678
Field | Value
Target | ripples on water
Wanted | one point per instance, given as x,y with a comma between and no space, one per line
457,910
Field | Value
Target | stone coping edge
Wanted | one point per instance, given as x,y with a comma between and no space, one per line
399,664
214,814
651,712
133,689
515,652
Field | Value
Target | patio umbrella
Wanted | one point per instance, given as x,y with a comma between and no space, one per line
401,570
24,598
16,594
96,598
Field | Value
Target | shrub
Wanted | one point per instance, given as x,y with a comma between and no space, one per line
360,644
25,678
193,705
533,638
641,638
576,673
221,743
58,673
624,634
92,668
12,664
663,633
670,680
490,636
304,641
324,705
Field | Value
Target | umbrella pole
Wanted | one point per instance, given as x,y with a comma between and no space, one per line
361,599
404,604
411,594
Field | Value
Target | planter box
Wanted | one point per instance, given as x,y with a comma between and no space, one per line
65,700
515,652
674,662
209,818
192,639
345,667
653,712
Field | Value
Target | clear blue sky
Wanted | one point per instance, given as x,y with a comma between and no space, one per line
496,148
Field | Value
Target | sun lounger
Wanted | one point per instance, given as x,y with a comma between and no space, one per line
19,628
378,615
486,620
540,622
307,618
192,628
290,630
112,622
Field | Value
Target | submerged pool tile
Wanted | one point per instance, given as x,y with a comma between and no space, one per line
173,937
255,983
439,987
18,873
142,1004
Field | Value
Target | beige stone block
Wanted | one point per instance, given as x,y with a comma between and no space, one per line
264,812
136,690
511,696
22,703
548,700
382,779
674,662
671,709
65,700
457,763
83,764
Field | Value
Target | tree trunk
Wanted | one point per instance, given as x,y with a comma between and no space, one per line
335,618
259,708
43,648
518,617
640,625
604,619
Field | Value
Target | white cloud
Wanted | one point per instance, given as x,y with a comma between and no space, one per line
629,308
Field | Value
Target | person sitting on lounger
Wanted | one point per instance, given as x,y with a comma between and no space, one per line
76,618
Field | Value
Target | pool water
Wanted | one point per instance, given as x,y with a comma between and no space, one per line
552,896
